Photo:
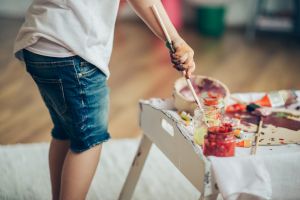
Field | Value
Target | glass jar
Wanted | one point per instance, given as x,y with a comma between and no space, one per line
219,141
212,115
200,127
214,109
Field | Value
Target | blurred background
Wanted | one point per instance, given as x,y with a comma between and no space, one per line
251,46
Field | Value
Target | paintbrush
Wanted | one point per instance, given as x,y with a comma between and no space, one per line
188,81
256,138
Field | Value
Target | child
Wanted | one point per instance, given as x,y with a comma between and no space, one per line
66,46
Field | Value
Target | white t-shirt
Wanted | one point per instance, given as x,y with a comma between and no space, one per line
72,27
48,48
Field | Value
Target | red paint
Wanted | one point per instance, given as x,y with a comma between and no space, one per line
274,119
237,107
282,121
246,118
265,101
219,141
213,89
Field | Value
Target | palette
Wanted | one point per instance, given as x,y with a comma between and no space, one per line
183,98
281,127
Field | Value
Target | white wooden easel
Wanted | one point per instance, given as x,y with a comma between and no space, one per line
163,132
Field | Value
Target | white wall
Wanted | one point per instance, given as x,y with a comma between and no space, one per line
14,8
238,11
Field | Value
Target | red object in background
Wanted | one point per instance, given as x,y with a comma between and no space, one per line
265,101
174,11
172,7
237,107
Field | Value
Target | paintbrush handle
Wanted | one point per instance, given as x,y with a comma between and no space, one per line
188,81
257,136
162,25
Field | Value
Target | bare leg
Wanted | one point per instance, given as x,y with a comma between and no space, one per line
57,153
78,172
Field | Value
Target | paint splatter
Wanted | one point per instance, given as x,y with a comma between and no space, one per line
280,119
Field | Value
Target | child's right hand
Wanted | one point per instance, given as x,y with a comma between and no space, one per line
183,57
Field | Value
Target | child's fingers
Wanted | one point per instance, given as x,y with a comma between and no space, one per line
184,74
179,67
184,57
191,69
173,56
188,65
189,59
175,62
179,52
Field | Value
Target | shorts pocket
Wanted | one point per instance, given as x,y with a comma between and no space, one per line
87,68
52,93
90,75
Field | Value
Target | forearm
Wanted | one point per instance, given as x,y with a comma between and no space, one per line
144,11
182,57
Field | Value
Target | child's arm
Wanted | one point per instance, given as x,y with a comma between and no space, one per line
184,53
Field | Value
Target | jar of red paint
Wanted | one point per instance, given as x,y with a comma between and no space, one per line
219,141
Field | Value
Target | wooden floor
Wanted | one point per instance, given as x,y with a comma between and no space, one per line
141,69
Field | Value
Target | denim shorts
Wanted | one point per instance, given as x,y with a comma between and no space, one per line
76,95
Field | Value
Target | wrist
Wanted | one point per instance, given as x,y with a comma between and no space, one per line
176,38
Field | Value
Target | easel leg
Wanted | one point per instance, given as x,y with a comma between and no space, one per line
136,169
